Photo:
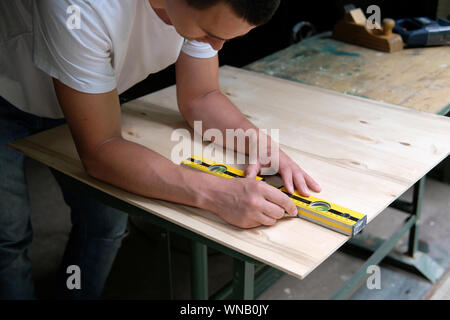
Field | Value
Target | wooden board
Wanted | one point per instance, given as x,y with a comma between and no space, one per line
364,154
415,78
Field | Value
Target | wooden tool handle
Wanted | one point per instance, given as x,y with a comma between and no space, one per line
388,25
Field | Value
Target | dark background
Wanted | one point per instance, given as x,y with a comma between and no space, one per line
276,34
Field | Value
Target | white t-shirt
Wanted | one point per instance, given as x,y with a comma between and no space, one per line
119,43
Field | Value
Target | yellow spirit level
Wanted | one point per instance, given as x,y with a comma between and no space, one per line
329,215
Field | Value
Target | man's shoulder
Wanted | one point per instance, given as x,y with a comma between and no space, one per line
112,10
96,18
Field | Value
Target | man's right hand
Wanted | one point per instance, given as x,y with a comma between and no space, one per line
248,203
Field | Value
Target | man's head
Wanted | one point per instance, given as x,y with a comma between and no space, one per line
215,21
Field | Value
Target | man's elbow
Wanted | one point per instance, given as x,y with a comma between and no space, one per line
190,109
96,160
92,166
187,110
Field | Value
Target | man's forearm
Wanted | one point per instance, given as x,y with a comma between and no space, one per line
140,170
216,111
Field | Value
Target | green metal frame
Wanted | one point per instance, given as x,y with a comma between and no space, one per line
165,265
250,277
446,174
243,280
199,271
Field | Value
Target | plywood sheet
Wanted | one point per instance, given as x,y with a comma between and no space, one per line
364,155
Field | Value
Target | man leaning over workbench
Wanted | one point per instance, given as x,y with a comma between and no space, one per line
55,69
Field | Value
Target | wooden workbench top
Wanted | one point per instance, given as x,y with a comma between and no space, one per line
415,78
364,154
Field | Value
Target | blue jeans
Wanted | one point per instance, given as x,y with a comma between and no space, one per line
97,230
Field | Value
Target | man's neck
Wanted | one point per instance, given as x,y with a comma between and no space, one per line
158,6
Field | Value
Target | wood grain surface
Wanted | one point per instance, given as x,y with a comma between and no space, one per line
416,78
364,154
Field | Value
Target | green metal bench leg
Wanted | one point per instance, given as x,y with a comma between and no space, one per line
264,276
199,271
265,279
165,272
420,261
413,241
414,258
347,289
243,280
447,170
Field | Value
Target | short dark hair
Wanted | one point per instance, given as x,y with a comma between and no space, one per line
255,12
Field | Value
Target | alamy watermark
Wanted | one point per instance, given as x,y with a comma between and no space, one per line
73,22
373,21
74,280
374,280
257,144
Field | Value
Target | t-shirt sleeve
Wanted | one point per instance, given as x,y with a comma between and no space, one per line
198,49
73,48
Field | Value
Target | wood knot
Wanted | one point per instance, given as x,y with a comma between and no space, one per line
229,94
131,133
